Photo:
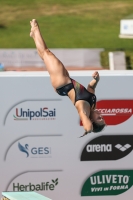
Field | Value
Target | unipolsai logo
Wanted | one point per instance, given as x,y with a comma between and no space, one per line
43,186
115,111
110,182
35,151
110,147
30,114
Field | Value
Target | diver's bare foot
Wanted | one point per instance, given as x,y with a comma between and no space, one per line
34,26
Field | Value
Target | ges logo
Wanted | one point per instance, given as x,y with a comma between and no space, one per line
34,151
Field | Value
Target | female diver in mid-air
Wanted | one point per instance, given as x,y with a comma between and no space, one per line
83,99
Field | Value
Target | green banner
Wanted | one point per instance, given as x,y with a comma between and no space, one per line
110,182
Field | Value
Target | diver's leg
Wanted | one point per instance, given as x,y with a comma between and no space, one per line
58,74
36,35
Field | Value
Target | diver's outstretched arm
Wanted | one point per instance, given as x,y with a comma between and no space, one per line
92,85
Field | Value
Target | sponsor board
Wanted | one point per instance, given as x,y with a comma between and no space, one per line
43,186
115,111
40,114
33,111
35,151
108,147
109,182
36,146
43,181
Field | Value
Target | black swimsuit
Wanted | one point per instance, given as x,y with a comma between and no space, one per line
81,93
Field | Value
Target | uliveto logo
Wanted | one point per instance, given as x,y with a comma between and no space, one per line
115,111
40,114
43,186
110,147
35,152
110,182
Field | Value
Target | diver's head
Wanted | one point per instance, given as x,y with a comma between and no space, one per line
97,120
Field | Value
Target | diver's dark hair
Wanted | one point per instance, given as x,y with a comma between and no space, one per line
98,128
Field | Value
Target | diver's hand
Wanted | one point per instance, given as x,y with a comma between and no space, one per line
85,133
96,76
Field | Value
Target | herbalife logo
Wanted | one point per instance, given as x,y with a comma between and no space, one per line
43,186
112,182
123,148
110,147
35,151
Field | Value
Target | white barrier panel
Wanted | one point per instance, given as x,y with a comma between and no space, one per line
126,28
69,57
39,138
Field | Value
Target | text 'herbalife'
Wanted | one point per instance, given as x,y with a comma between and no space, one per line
43,186
41,114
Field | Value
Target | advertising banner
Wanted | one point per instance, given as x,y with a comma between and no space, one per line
126,26
41,149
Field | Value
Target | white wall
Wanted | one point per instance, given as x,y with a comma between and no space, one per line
69,57
54,148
